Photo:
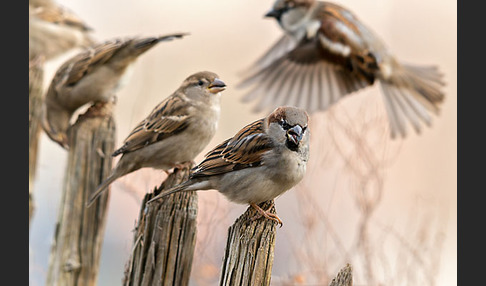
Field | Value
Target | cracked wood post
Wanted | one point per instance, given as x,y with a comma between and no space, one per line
248,257
36,76
76,250
344,277
165,237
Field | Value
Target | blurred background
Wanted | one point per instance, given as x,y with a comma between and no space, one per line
388,207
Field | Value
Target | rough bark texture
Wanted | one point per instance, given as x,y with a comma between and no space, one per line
248,258
165,237
344,277
36,75
76,249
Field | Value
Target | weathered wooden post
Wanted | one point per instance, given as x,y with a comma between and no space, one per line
76,249
165,237
344,277
36,76
248,257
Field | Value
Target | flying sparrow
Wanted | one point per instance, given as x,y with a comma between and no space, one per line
262,161
175,132
53,30
90,76
327,53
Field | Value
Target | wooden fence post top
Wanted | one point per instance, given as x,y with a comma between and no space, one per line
344,277
249,253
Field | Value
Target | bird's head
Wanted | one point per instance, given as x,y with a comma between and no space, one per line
288,125
203,86
56,123
289,9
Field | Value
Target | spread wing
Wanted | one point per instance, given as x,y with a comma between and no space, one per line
168,118
244,150
82,64
333,58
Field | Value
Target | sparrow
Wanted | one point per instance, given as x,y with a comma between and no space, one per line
260,162
93,75
54,30
175,132
325,53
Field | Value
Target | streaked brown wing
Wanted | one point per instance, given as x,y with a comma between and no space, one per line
308,77
168,118
79,66
244,150
279,48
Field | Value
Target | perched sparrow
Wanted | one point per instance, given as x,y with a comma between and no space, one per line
93,75
53,30
176,130
262,161
327,53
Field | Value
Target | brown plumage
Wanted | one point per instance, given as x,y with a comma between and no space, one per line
54,30
262,161
325,54
175,132
92,75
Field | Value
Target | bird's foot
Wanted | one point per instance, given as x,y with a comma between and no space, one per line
266,213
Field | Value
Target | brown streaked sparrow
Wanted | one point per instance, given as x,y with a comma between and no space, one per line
92,75
262,161
175,132
54,30
327,53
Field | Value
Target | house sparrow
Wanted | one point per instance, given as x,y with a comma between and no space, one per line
327,53
53,30
262,161
175,132
92,75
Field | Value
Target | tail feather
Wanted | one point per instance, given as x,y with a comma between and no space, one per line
179,188
101,188
411,94
193,184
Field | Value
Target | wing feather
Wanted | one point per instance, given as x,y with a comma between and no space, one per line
244,150
168,118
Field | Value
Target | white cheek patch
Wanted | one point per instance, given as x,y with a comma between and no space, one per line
335,47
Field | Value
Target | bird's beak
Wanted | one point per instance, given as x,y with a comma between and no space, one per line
295,134
62,140
273,14
59,138
217,86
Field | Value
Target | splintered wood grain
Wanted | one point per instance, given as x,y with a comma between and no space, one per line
344,277
165,237
249,252
76,249
36,76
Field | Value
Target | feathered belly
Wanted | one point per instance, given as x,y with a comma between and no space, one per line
256,185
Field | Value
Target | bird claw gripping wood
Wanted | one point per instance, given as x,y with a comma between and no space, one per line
266,213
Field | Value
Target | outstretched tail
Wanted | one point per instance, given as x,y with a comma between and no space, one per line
188,185
411,93
101,188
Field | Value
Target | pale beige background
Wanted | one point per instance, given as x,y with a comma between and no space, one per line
419,182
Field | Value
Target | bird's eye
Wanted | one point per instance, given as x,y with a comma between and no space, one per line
200,82
284,124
